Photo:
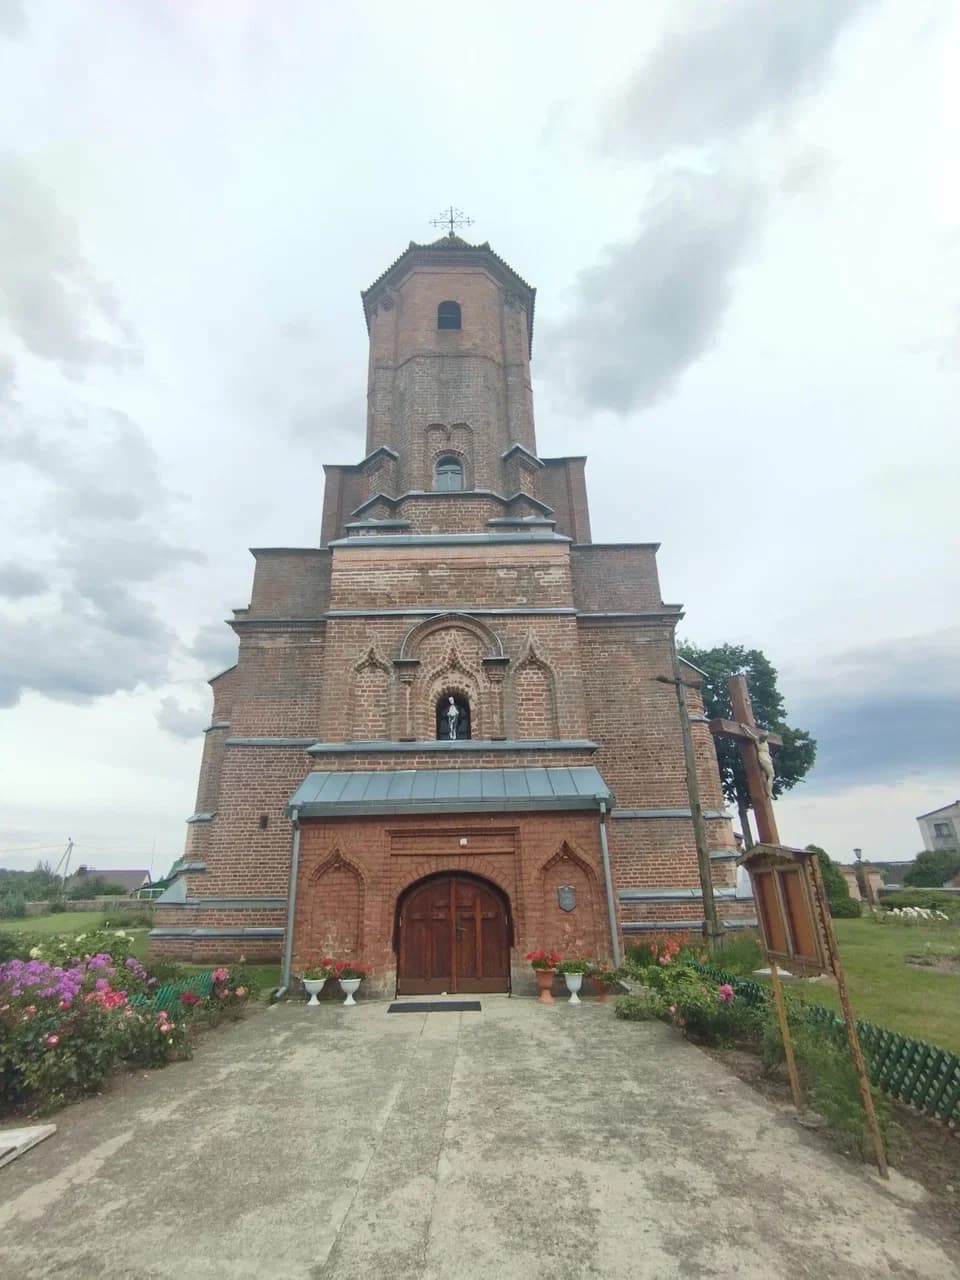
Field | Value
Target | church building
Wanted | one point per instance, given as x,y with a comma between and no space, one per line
445,743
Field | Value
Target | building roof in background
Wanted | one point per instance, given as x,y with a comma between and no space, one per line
944,809
131,880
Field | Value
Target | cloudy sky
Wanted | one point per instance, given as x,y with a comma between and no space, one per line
743,221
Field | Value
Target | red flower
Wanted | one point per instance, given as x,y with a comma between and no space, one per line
189,998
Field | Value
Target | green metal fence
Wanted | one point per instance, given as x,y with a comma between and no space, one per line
919,1074
168,996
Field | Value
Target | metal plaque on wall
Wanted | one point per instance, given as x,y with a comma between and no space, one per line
567,897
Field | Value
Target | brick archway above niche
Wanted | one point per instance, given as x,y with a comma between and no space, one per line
490,642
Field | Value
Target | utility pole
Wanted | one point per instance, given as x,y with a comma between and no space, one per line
65,864
713,928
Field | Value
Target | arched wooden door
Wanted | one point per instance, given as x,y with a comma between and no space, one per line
453,934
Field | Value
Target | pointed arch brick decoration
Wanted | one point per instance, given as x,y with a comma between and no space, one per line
454,439
478,678
371,699
578,932
330,912
453,674
534,700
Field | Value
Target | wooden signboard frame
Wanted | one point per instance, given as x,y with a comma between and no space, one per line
785,892
797,931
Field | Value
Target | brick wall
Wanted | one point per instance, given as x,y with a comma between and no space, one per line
354,871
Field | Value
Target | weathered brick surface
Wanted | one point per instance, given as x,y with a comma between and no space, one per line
356,643
354,871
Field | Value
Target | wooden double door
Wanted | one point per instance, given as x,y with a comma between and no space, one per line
453,935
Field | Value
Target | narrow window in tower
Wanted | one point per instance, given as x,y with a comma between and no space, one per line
448,315
449,475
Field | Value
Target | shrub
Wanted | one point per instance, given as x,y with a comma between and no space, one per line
845,909
658,948
58,906
705,1010
167,971
60,948
13,906
928,899
65,1027
574,966
642,1007
128,920
933,867
826,1073
741,955
11,946
837,889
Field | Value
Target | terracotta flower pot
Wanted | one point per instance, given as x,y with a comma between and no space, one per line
545,982
601,990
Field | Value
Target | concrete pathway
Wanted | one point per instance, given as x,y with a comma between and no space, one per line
521,1142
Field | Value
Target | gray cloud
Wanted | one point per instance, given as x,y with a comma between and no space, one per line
654,304
739,61
883,712
49,295
103,500
13,19
182,722
18,583
81,654
215,646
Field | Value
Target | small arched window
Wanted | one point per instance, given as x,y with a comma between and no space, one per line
448,315
453,717
449,475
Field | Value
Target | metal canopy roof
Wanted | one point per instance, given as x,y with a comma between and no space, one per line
343,794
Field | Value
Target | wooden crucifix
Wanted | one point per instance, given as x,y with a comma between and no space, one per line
755,744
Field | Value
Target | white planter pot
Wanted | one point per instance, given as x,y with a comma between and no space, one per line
314,986
349,986
574,982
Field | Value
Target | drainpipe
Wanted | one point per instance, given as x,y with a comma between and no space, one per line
291,906
608,882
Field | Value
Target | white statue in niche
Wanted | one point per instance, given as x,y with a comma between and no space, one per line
453,718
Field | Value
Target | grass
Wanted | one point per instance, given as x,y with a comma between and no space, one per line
884,989
65,922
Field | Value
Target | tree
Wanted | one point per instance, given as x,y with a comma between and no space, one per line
838,891
792,762
932,868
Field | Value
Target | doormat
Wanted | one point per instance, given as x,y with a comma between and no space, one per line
435,1006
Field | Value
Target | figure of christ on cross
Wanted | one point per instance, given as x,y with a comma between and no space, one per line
755,744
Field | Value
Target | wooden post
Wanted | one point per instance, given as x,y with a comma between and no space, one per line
860,1067
785,1034
713,927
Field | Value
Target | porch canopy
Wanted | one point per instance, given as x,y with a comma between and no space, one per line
342,794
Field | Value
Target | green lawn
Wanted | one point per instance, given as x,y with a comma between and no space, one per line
919,1002
65,922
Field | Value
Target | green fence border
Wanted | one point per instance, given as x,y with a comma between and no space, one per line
922,1075
201,984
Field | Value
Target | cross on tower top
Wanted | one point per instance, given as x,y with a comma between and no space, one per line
451,218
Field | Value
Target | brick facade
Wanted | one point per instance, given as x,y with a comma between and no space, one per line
493,594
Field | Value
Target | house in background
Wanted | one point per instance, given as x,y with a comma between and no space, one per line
940,828
130,881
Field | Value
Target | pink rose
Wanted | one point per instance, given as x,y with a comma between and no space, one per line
241,991
53,1039
165,1027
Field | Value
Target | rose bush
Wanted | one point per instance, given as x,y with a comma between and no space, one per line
65,1027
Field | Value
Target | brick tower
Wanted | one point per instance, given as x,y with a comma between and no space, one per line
443,744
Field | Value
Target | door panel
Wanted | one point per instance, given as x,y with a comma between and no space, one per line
454,937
